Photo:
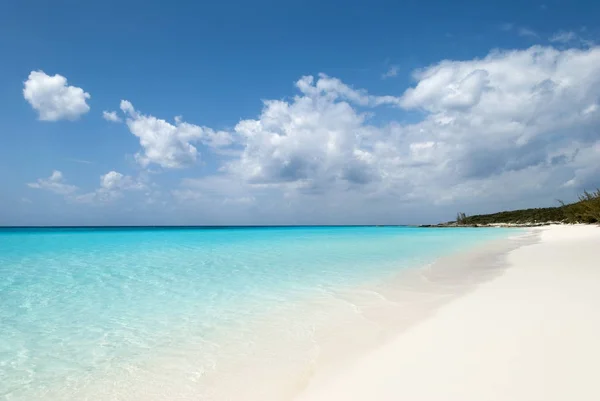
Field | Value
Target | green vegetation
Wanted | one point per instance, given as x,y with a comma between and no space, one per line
460,218
526,216
586,210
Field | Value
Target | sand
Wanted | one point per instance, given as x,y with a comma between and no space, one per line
531,333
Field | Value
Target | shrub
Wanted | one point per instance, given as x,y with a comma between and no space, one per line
585,210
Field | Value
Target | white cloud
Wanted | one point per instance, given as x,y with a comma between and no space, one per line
524,114
55,183
391,72
518,124
170,145
114,180
498,121
112,186
442,89
512,85
111,116
311,140
564,37
333,89
127,108
318,137
53,99
570,38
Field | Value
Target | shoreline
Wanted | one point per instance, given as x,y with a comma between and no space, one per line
289,346
527,333
417,293
285,338
493,225
365,317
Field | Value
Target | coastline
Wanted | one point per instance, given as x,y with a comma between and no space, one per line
365,317
279,330
354,322
357,341
492,225
529,332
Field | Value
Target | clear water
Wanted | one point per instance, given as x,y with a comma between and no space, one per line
171,313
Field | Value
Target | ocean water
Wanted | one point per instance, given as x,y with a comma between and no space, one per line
198,314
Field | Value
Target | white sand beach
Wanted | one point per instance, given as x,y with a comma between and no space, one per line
531,333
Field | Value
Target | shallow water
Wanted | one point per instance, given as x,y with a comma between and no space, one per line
211,314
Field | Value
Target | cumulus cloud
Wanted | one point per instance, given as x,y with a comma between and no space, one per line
517,92
319,137
53,99
55,183
111,116
440,89
113,181
518,124
112,186
522,109
509,119
334,89
170,145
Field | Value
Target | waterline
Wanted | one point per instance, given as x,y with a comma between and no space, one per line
188,314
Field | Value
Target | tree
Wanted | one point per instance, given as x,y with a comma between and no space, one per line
461,218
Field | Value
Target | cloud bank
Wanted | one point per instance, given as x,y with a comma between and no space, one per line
517,124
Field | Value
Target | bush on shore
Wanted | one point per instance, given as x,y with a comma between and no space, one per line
585,210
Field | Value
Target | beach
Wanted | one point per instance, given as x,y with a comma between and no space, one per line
530,333
303,314
156,314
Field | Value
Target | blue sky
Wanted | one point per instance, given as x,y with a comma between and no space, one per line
414,110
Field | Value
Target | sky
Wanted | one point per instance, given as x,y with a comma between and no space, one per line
304,112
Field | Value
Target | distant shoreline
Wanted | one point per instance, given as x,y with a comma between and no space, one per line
585,211
491,225
210,226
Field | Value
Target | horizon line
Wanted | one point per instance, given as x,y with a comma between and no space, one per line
217,226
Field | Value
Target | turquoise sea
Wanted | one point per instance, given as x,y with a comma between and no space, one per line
195,313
